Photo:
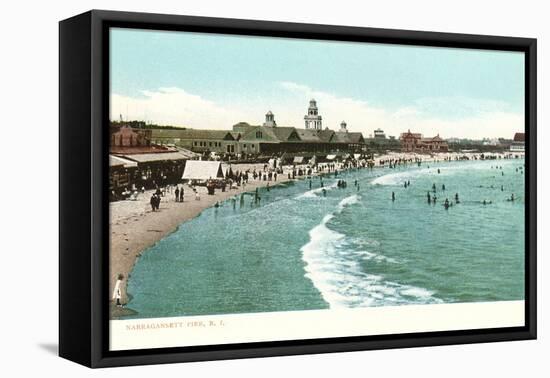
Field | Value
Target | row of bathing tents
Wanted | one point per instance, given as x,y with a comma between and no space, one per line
201,170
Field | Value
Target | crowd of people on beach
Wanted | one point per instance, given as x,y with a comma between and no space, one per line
317,174
268,173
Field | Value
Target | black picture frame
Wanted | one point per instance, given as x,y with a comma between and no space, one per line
83,197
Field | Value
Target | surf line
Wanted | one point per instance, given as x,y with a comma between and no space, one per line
337,273
317,254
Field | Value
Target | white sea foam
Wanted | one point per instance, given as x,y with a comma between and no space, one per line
313,193
398,178
351,200
417,292
376,257
336,270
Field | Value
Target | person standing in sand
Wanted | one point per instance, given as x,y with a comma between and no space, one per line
117,292
152,201
157,202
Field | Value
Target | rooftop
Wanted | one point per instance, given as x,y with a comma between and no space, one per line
152,149
194,134
519,137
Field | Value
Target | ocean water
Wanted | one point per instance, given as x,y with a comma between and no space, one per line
352,247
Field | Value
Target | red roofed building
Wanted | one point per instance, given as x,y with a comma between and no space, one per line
125,136
435,144
518,145
135,162
410,141
414,142
519,137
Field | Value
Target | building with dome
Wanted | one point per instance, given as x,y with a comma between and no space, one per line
312,119
267,138
343,127
270,120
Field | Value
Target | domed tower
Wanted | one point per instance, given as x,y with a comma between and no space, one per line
312,119
270,119
343,127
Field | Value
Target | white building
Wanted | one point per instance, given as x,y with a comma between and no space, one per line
312,119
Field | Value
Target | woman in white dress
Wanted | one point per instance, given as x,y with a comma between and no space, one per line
117,292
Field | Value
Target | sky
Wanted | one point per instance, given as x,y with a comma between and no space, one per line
212,81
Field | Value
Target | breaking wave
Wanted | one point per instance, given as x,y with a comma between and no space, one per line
336,270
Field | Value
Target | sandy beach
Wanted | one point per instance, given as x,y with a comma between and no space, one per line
135,227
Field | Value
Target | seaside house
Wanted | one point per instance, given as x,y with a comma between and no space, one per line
414,142
135,161
518,144
434,144
410,141
122,135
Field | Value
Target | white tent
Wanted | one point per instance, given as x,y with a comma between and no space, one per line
202,170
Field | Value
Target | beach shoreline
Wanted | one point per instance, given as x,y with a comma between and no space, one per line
134,227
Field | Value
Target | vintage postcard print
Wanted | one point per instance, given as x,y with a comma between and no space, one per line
266,189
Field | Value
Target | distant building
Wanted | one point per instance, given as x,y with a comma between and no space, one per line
220,141
491,142
125,136
518,144
379,134
312,119
265,139
353,141
434,144
273,139
135,161
414,142
410,141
